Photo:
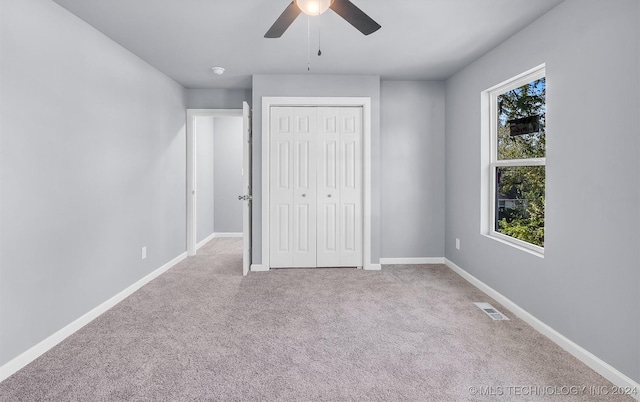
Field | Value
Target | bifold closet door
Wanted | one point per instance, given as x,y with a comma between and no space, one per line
293,187
339,238
315,185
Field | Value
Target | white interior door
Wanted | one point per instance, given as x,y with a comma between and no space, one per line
293,187
339,187
328,238
315,187
304,187
281,188
246,186
350,186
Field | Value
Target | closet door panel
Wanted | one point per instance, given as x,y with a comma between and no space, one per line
329,171
304,187
281,188
350,186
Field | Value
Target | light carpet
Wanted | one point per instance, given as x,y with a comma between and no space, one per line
201,331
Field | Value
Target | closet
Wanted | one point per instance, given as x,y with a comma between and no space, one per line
315,187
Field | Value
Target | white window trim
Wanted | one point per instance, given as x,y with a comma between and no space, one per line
491,162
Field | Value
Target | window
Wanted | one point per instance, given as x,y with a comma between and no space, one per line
517,111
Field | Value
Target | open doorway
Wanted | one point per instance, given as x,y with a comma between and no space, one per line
217,178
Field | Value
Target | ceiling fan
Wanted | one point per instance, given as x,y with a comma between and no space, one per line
344,8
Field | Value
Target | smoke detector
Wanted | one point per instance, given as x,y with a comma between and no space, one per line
218,70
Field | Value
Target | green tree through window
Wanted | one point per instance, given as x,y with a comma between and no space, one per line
520,166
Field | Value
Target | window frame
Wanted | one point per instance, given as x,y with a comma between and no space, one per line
495,163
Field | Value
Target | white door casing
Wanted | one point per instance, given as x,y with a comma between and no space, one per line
192,115
316,186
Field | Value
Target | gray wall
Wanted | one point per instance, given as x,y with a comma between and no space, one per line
217,98
316,86
92,168
412,169
218,175
587,285
204,177
228,174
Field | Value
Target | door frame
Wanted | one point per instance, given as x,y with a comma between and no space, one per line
365,104
192,114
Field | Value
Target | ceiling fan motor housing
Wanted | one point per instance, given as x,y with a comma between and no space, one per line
314,7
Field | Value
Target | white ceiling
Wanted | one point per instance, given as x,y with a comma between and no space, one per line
419,39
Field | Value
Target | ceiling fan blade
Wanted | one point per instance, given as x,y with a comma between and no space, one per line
354,16
284,20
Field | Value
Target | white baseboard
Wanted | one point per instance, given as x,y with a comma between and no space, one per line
214,236
205,241
411,261
595,363
228,234
36,351
373,267
259,268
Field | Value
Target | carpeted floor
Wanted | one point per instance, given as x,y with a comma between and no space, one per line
203,332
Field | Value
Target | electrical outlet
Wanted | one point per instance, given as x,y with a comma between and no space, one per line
457,244
144,252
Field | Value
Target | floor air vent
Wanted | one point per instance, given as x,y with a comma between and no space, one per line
491,312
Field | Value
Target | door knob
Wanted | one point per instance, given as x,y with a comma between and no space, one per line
329,195
304,195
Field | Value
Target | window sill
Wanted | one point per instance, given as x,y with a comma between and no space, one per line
508,242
